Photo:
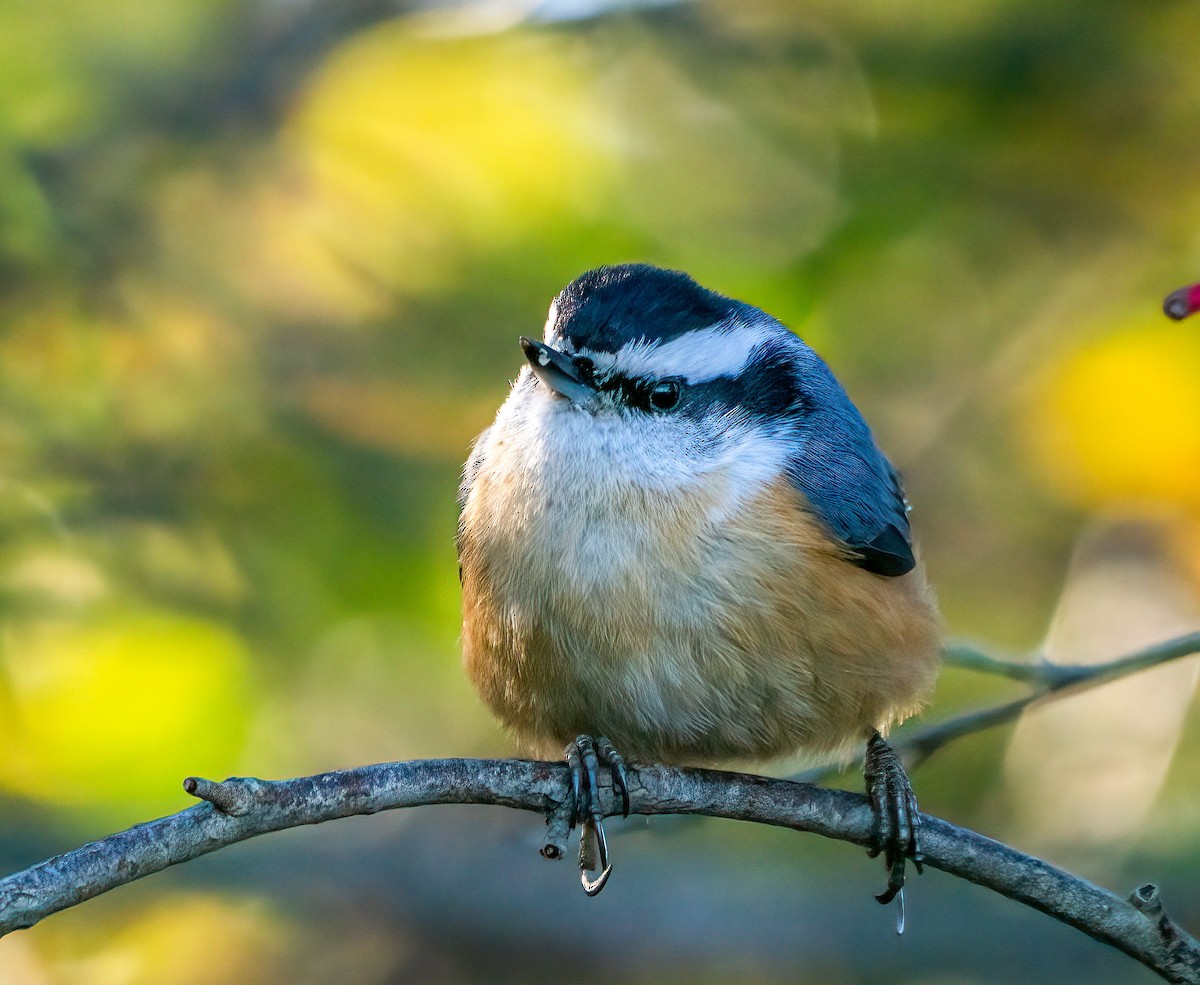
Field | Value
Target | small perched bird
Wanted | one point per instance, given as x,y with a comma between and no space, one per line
680,538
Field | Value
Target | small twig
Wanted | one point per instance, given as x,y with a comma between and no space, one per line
558,830
1052,677
229,798
1053,681
916,748
1038,670
1147,899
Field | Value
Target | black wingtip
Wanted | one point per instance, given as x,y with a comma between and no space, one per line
888,554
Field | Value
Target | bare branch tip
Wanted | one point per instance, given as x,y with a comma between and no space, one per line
227,797
558,830
1147,900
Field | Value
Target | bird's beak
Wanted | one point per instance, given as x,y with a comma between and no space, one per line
557,372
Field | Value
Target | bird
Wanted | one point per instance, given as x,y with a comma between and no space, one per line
680,543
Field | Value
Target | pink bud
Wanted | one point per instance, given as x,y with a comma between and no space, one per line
1179,304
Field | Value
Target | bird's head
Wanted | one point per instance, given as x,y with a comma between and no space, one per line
653,347
647,382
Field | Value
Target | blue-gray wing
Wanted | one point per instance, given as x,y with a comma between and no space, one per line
854,489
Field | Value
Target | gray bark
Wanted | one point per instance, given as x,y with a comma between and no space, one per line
238,809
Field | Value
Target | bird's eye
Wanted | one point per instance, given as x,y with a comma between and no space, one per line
664,395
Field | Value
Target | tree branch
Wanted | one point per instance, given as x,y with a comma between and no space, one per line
1051,680
1054,677
238,809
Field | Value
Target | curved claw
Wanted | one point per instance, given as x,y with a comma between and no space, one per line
897,818
895,883
593,886
584,756
616,763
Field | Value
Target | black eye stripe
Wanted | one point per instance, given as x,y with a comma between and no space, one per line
769,386
638,392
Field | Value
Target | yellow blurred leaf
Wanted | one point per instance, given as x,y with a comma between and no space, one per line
117,710
406,149
183,939
1119,420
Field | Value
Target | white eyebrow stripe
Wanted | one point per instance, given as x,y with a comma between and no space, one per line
697,356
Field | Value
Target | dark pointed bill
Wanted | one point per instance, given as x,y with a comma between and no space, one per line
558,372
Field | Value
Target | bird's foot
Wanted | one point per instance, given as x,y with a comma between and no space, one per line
897,819
584,757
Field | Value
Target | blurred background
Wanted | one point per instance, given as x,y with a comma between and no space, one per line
263,266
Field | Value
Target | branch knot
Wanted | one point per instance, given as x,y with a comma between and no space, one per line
234,796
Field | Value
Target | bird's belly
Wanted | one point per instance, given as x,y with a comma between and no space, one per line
681,639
